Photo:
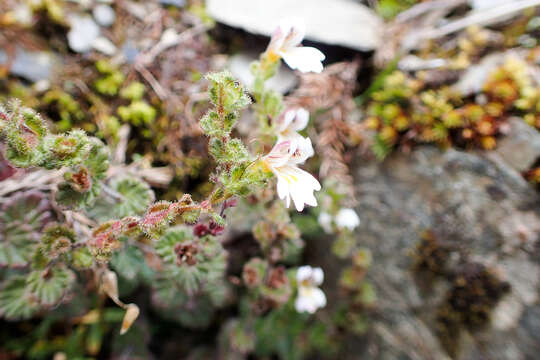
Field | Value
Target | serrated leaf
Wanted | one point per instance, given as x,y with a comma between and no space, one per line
81,258
165,293
167,242
22,217
97,161
15,301
136,197
69,198
49,285
130,263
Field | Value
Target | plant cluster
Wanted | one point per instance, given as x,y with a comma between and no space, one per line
79,245
403,113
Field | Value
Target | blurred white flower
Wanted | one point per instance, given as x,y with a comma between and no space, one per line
288,125
310,297
325,220
347,219
293,182
285,43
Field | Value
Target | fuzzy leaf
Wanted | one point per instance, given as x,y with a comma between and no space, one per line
136,197
22,217
49,285
16,302
97,161
70,198
130,263
81,258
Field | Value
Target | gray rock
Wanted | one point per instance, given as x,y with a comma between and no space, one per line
480,205
82,34
284,81
104,15
31,65
337,22
520,148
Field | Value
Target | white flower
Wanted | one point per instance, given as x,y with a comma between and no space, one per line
288,125
293,182
347,218
284,44
325,220
310,297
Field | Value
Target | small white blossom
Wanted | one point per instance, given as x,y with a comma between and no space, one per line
293,182
347,219
310,297
325,220
288,125
285,43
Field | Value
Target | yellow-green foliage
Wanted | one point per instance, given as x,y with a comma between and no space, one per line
401,113
110,81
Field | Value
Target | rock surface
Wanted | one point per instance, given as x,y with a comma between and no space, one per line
520,148
82,34
336,22
104,15
239,65
477,203
30,65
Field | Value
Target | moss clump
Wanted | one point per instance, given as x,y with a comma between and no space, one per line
110,81
431,256
402,113
475,291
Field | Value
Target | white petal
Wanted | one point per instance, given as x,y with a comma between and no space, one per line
300,120
303,151
310,200
318,297
294,30
318,276
301,185
282,187
305,59
347,218
285,119
304,304
281,153
303,273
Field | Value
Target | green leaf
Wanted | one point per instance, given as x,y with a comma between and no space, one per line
235,152
380,148
81,258
136,197
131,264
211,124
16,302
166,243
49,285
70,198
272,103
22,217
